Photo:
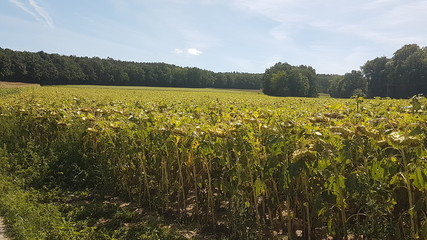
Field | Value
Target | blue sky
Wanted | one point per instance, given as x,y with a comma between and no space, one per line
333,36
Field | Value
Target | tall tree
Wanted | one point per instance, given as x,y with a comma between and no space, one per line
5,65
283,79
353,83
324,82
376,73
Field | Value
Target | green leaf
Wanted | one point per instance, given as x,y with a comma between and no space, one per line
416,104
377,172
419,179
259,187
416,131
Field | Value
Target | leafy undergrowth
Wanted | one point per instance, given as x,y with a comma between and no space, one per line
56,214
29,219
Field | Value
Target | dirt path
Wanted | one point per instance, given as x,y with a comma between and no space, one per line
2,230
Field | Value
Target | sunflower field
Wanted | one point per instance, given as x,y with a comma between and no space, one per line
240,165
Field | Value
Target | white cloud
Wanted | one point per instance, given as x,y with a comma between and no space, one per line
35,10
189,51
193,51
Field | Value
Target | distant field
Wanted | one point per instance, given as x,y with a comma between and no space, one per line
17,84
174,89
229,163
324,95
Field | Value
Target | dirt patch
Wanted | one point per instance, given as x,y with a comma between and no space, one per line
17,84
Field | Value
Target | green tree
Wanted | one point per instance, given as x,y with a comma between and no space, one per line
376,71
335,87
269,88
353,83
5,65
324,81
40,68
311,76
398,84
279,84
298,83
283,79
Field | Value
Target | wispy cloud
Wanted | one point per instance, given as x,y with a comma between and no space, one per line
42,13
33,8
379,21
189,51
352,31
24,8
179,51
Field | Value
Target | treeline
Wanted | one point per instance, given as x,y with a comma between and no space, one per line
402,76
351,84
55,69
324,81
286,80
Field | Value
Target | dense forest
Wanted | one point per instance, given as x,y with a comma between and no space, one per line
55,69
402,76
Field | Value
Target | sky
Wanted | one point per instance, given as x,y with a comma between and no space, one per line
332,36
